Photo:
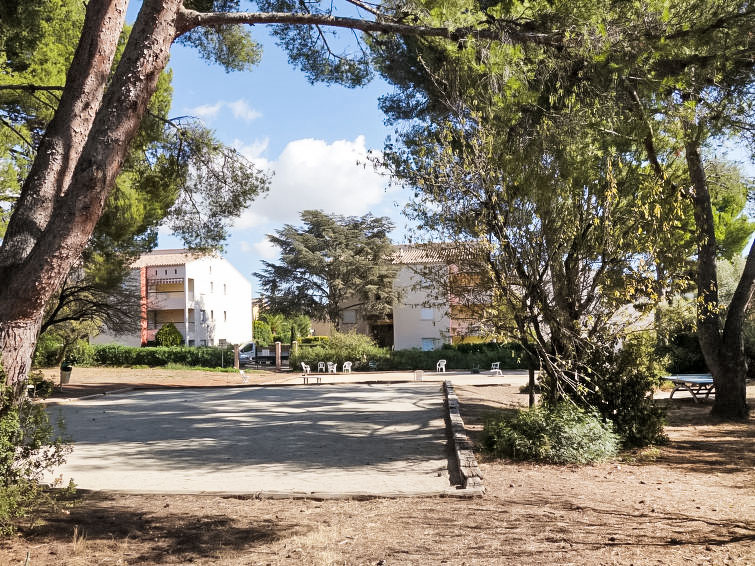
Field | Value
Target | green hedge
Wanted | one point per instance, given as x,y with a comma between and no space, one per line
461,357
116,355
361,350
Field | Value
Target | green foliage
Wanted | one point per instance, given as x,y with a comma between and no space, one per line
230,46
115,355
329,262
341,347
263,336
42,387
677,337
360,349
29,447
168,335
561,434
618,383
315,339
459,357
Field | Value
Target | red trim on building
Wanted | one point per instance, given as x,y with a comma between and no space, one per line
143,304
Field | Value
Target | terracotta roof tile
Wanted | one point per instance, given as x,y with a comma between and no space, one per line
166,257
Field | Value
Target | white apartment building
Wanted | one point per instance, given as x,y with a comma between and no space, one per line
204,296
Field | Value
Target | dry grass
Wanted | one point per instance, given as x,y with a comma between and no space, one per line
687,503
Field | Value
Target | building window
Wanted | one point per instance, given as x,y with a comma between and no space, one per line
350,316
225,316
175,271
225,289
166,272
212,287
212,315
191,342
426,314
203,315
203,342
428,344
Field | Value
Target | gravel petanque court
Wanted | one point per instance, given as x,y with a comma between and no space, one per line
329,440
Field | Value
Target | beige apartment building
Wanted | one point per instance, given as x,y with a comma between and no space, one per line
424,318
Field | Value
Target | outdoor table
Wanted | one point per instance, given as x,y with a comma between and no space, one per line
695,383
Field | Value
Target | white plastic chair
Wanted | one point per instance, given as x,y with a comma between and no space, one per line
321,367
332,367
441,366
346,367
305,368
495,368
244,376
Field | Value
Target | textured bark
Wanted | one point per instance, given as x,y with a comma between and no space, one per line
18,339
722,345
66,134
73,201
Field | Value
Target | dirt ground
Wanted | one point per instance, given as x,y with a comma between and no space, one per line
690,502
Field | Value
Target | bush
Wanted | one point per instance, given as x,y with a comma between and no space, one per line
116,355
342,347
42,387
168,335
263,336
461,356
48,350
29,447
316,340
562,434
619,385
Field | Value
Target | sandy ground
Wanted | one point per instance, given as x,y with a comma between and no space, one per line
690,502
329,439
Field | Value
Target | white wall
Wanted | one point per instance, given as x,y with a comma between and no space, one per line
226,298
412,321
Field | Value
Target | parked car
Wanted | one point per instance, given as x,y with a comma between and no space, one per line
250,354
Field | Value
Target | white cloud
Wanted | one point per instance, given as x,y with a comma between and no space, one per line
245,247
242,110
253,151
313,174
265,249
206,111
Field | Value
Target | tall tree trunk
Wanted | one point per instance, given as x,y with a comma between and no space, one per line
723,348
28,284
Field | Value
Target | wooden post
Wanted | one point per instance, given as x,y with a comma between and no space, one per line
294,348
236,356
278,356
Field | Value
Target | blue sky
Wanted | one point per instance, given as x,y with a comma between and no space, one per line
314,138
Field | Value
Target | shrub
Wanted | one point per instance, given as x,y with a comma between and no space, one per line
342,347
263,336
42,387
117,355
29,447
561,434
48,350
461,356
317,340
619,385
168,335
80,354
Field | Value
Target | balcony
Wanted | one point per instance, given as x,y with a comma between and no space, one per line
153,327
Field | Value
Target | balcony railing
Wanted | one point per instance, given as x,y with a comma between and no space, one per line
178,323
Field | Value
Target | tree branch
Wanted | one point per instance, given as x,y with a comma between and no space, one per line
31,88
190,19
